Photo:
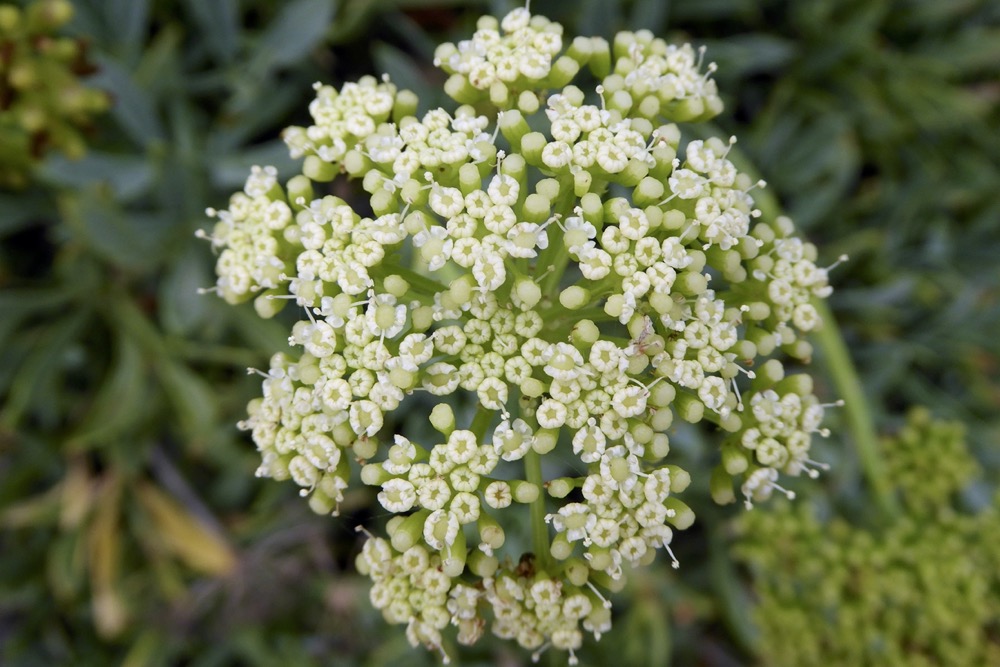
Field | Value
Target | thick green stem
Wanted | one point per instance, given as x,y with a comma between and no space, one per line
539,529
845,378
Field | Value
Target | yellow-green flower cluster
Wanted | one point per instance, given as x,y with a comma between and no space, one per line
560,275
42,102
922,590
928,462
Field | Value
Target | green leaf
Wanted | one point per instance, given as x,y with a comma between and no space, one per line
293,34
132,108
598,17
413,35
972,51
353,19
266,336
130,20
192,398
218,22
48,353
21,210
255,108
66,565
128,176
182,308
133,240
744,55
649,14
230,172
713,10
401,69
119,402
17,304
159,70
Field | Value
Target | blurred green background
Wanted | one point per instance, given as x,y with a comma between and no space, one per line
132,529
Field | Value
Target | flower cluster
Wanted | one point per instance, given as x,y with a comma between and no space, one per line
921,589
42,102
928,462
559,276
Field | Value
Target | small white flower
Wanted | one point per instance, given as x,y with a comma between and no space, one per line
489,271
563,362
503,190
551,414
397,496
574,519
435,246
462,446
365,417
433,493
589,442
441,529
512,440
525,239
498,495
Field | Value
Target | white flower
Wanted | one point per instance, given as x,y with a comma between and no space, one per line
574,519
557,154
489,271
589,442
462,446
503,190
524,238
435,246
629,401
512,440
401,456
633,224
397,496
595,263
365,418
464,507
551,414
576,232
563,362
498,495
441,529
433,493
441,379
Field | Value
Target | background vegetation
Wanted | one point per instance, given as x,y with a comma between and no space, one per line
132,529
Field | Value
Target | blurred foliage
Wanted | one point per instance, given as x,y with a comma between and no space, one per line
133,529
920,590
42,103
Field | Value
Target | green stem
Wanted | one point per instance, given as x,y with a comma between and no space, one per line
845,378
481,422
539,529
428,285
557,256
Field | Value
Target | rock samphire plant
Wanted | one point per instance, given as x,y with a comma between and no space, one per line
552,274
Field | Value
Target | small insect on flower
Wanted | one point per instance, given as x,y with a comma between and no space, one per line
638,345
